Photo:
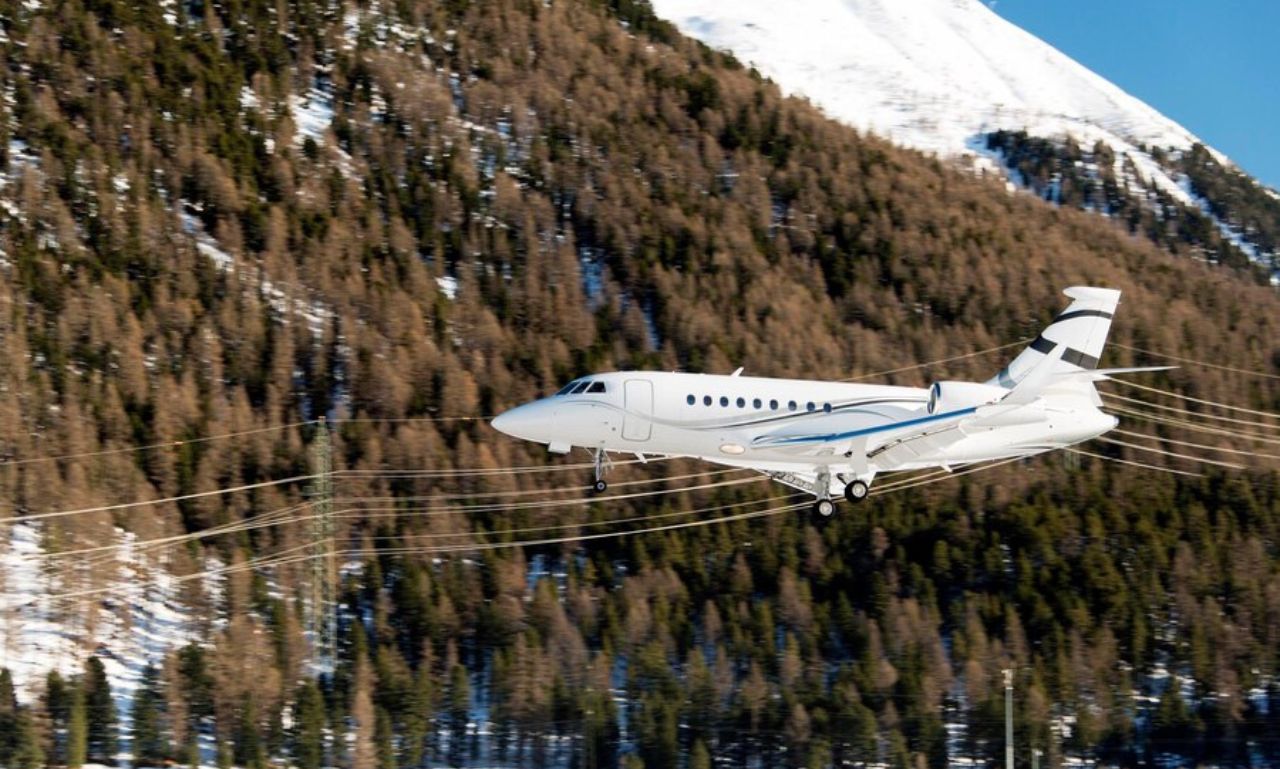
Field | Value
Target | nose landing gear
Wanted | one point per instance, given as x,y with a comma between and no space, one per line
601,464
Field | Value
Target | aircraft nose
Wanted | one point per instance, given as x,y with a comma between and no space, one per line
519,422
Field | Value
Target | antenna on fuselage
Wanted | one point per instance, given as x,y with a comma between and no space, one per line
737,371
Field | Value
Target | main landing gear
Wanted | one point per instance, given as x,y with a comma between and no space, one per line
601,464
854,491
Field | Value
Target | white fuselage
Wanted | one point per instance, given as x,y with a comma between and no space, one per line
831,430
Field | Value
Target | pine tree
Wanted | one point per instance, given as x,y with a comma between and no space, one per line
248,749
27,751
77,746
362,710
459,713
100,714
57,707
309,724
224,757
8,718
417,718
384,740
150,744
699,757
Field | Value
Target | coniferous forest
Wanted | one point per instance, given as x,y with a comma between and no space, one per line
221,221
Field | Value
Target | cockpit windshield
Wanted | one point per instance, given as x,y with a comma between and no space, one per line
579,386
565,390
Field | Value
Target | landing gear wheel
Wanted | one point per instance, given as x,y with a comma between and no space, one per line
856,491
599,487
825,508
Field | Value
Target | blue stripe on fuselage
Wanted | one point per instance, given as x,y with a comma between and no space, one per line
832,437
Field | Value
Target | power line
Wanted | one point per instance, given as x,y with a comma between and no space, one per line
295,555
1144,465
1174,454
577,524
357,513
929,479
535,492
1197,362
150,446
1200,414
939,361
286,515
1186,425
1185,397
270,518
165,500
1196,445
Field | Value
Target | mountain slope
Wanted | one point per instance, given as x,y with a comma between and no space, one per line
942,76
932,74
407,216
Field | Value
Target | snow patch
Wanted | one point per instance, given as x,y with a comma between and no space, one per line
137,622
1229,233
448,286
286,304
929,74
312,114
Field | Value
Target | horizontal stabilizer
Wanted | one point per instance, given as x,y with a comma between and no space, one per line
1103,374
1106,373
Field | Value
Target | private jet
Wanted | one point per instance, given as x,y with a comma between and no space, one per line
832,439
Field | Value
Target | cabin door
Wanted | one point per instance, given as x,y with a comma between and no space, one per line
637,423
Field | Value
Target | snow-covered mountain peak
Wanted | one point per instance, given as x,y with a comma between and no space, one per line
930,74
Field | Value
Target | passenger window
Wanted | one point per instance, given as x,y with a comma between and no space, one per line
826,407
809,406
724,401
706,400
773,404
755,404
691,400
582,387
742,402
791,405
596,387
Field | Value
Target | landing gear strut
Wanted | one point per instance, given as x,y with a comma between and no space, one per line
823,506
601,464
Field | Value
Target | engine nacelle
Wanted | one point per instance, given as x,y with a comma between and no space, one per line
950,396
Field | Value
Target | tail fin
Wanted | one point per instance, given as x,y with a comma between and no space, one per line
1081,330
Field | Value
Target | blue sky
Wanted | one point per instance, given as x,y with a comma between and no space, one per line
1212,66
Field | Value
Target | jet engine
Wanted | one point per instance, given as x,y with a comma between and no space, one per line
950,396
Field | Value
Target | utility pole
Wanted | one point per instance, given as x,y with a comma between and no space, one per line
1008,718
324,630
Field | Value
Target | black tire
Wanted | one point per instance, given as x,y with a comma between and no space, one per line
599,487
824,508
856,491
